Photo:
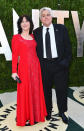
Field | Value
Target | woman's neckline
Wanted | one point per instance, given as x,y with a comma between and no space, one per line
26,39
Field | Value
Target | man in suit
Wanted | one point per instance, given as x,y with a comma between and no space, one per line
54,52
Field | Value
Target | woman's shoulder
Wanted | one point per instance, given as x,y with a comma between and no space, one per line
15,36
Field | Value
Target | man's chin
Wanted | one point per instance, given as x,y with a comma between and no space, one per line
47,24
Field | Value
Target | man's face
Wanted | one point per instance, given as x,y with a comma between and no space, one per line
46,18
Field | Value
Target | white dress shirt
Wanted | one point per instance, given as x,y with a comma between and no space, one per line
52,41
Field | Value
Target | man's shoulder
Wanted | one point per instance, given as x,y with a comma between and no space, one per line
59,26
37,29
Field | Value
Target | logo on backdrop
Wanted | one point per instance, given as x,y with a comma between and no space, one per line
79,94
8,123
59,15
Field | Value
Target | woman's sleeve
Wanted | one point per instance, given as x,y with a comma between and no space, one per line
14,54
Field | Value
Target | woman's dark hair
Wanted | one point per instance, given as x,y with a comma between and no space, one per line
19,24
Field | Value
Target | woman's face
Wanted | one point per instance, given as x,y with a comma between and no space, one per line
25,25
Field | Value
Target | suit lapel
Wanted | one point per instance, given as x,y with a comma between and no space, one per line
56,31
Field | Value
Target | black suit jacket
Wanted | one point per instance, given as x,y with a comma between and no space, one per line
62,44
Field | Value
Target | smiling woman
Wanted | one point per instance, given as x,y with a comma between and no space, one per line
30,98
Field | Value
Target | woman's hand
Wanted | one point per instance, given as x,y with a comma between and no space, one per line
14,76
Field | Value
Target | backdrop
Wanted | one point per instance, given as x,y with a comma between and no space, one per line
76,77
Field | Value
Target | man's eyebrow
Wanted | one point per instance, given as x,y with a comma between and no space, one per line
46,14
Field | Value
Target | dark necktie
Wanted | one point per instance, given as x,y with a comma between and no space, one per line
47,44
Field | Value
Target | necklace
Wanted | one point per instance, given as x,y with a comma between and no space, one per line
27,37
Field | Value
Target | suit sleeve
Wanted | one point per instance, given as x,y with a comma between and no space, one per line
14,54
67,48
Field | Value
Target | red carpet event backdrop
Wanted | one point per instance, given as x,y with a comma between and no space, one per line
69,13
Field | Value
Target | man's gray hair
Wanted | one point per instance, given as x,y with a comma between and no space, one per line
45,8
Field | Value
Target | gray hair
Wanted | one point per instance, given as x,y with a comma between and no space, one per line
45,8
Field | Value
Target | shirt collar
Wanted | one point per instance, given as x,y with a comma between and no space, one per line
50,27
